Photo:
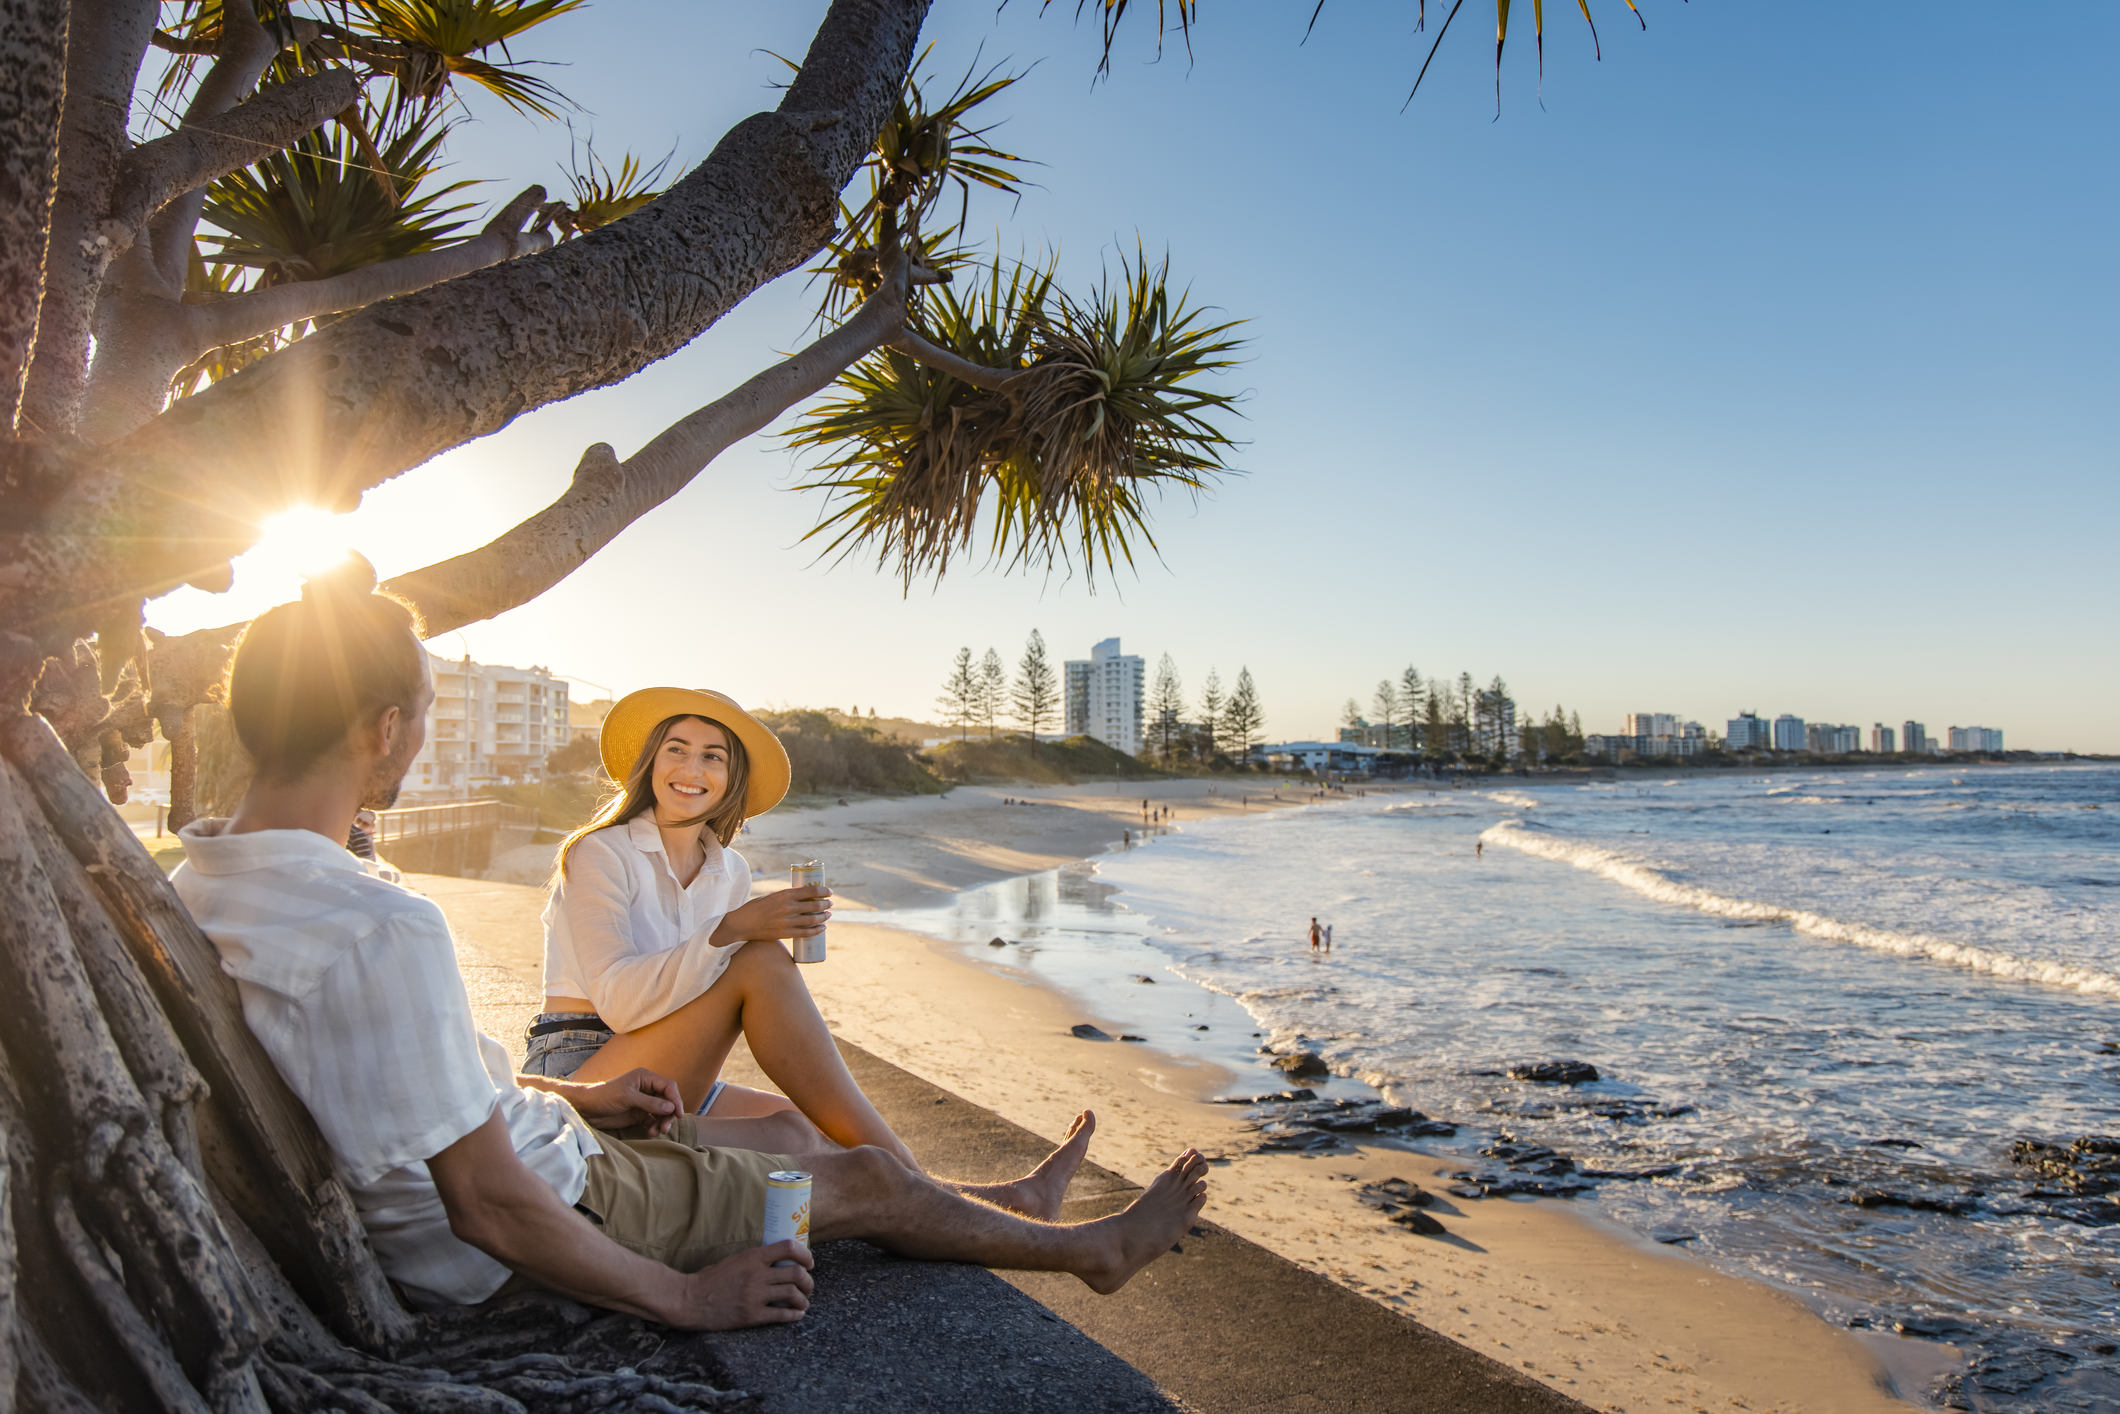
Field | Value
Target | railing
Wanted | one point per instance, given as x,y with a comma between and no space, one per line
460,837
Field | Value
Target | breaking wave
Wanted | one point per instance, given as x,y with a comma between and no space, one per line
1651,882
1511,799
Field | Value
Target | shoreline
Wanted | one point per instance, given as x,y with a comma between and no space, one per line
1589,1308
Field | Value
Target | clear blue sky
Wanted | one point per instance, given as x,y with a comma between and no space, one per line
1770,364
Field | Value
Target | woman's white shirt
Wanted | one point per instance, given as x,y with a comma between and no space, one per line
622,932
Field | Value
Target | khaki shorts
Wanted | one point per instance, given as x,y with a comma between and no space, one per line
685,1204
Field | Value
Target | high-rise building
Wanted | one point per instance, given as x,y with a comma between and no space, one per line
1881,739
1651,724
1974,739
1104,694
1913,736
488,725
1748,731
1789,733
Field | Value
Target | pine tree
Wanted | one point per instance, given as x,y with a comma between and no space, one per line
1036,691
1410,696
1385,703
1435,731
1243,719
960,694
1166,706
1351,714
1212,701
993,690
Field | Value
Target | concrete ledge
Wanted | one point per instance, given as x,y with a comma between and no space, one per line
1222,1324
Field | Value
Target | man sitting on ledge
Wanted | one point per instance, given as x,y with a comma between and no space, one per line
462,1171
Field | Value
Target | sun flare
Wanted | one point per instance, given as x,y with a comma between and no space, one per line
298,543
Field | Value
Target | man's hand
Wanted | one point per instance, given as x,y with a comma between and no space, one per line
639,1096
748,1290
784,913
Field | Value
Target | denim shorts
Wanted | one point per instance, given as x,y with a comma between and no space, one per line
559,1052
560,1042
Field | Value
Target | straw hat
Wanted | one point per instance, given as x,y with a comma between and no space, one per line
634,717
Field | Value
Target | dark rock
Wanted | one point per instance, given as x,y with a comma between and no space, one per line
1654,1171
1144,979
996,943
1892,1144
1303,1065
1088,1032
1914,1202
1466,1190
1199,1028
1129,1036
1279,1096
1414,1220
2089,1165
1673,1237
1555,1072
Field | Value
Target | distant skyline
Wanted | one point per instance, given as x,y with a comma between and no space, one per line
1769,364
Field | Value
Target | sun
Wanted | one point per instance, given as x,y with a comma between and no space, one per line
298,543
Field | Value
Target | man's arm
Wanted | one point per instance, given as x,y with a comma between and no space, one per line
497,1205
640,1096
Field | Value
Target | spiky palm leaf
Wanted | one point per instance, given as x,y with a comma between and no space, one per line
1104,407
602,196
313,210
453,34
919,155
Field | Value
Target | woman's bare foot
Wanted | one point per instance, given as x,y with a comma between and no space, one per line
1148,1229
1039,1193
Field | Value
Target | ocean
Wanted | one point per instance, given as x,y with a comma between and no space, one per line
1848,1024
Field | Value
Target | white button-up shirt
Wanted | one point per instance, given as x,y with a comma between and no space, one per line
623,933
350,983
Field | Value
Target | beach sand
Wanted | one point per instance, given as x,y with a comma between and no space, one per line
1616,1322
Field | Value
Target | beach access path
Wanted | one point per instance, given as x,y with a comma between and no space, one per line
1535,1286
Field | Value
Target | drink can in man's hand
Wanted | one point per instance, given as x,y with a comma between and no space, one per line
787,1208
807,875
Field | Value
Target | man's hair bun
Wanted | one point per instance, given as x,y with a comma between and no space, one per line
350,578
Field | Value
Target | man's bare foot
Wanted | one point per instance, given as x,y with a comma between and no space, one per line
1148,1229
1038,1194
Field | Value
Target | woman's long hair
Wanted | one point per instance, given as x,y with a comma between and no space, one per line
636,793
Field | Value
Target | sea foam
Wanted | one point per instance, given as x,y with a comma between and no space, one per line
1645,878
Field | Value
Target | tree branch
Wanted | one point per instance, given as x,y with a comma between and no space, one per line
206,149
934,356
102,65
608,495
260,311
33,42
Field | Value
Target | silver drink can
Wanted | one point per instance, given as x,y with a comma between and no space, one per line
787,1208
807,875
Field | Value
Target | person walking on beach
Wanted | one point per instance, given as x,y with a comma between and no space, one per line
1328,938
1316,936
1479,849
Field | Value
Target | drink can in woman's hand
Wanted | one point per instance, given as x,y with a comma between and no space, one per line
787,1208
807,875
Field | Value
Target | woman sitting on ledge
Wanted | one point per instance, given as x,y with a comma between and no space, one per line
656,955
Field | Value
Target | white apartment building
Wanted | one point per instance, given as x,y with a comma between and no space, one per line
1975,738
1104,693
1747,731
489,725
1913,736
1789,733
1651,724
1882,739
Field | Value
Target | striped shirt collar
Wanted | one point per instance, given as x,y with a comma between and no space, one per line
211,848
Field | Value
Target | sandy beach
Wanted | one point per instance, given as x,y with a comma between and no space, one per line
1539,1284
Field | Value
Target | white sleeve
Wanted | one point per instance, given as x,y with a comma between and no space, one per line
627,987
403,1078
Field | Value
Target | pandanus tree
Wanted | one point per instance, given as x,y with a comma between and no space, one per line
271,301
